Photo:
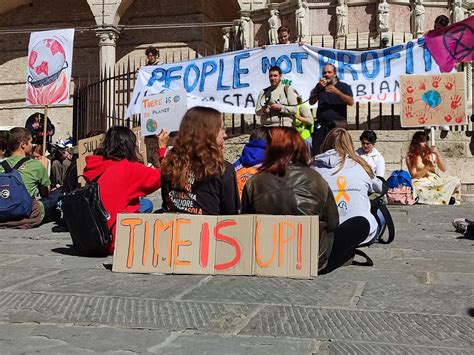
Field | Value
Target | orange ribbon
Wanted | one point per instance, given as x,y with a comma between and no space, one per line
341,183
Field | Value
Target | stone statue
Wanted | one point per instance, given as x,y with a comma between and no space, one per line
273,24
383,16
245,32
300,20
458,11
235,30
226,38
341,16
419,18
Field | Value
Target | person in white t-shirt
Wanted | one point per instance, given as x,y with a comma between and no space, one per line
370,154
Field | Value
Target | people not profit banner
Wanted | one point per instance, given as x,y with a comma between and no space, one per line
48,75
231,82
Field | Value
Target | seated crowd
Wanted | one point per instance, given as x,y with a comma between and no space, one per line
274,175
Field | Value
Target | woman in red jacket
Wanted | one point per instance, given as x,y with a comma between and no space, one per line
122,178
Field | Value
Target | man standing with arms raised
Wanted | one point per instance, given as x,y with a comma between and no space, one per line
333,96
277,104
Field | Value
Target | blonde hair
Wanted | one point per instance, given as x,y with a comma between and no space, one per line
340,140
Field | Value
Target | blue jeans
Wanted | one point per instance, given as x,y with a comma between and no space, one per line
146,206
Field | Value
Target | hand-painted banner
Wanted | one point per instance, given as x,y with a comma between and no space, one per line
453,44
48,75
231,82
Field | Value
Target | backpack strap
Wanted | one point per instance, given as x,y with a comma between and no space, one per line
8,168
20,163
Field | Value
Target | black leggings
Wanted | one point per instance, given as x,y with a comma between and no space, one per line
347,237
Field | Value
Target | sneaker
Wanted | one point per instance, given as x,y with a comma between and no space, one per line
460,224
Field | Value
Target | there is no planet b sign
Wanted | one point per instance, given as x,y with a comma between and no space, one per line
163,111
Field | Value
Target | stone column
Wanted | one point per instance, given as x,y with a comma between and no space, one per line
107,42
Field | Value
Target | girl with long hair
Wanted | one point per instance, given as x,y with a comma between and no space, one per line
196,178
123,179
351,179
286,185
422,162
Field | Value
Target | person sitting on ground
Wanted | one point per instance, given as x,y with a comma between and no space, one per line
252,156
59,165
286,185
422,162
196,178
122,179
350,178
34,176
370,154
38,155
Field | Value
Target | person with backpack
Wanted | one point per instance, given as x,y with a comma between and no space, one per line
350,178
422,162
122,178
32,190
277,104
251,158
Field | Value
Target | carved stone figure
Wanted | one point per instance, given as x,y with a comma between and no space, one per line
226,38
383,15
419,18
300,20
341,16
245,32
235,35
273,24
458,11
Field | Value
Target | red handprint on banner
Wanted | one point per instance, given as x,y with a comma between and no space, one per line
459,119
408,112
410,88
422,86
436,81
449,84
448,118
421,116
455,100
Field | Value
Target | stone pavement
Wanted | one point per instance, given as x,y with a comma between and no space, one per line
417,299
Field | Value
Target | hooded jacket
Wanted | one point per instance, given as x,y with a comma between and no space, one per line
350,187
121,184
247,165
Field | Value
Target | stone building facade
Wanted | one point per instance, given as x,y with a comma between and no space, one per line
116,31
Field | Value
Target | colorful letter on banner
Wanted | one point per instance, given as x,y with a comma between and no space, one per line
281,246
433,100
48,75
231,82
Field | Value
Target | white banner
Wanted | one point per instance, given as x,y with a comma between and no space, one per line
48,75
231,82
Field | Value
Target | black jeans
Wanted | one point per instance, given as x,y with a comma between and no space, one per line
50,204
347,237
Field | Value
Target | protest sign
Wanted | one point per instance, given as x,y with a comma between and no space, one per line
231,82
279,246
49,67
163,111
141,144
433,100
86,147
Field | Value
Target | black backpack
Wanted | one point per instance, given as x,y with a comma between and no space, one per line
86,219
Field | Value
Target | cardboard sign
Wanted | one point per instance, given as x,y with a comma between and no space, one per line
278,246
433,100
163,111
86,147
141,143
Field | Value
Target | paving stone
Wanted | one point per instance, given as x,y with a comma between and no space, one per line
322,291
66,339
10,276
121,312
363,326
371,348
100,281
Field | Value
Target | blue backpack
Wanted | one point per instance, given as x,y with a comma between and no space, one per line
399,178
15,201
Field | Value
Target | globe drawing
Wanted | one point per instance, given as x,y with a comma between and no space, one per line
432,98
151,125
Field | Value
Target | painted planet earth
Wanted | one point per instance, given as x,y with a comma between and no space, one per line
432,98
151,125
46,59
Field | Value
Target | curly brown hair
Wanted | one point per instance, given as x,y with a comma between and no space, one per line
196,150
418,137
